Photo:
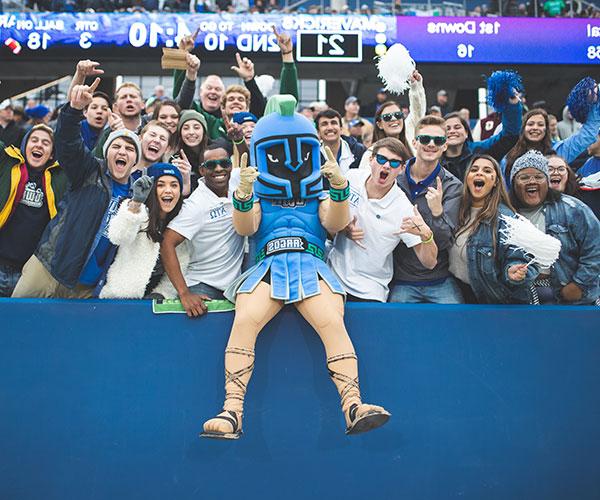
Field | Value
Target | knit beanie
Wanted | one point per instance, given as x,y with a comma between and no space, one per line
190,114
157,170
123,132
532,159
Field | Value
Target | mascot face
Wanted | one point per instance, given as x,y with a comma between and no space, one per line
285,149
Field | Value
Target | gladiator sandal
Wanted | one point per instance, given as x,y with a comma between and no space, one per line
360,417
235,390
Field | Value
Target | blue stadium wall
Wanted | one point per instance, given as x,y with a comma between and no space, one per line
103,400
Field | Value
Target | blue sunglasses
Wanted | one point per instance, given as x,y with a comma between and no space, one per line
382,160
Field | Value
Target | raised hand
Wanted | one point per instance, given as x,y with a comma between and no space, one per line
115,122
415,225
234,130
142,188
248,176
81,95
184,165
517,272
355,233
193,65
187,43
434,198
284,41
416,77
332,172
87,68
244,68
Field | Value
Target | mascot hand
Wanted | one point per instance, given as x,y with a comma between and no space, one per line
332,172
247,177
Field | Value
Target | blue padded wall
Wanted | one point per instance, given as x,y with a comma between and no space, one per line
103,400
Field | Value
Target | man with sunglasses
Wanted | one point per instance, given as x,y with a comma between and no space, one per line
436,193
382,218
205,221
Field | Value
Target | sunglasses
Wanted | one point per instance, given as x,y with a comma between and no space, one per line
212,164
438,140
388,117
382,160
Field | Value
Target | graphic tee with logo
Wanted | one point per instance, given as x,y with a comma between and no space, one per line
21,234
98,261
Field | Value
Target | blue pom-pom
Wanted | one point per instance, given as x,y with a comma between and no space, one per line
581,100
501,87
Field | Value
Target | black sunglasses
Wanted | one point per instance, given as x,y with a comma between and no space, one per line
212,164
438,140
388,117
382,160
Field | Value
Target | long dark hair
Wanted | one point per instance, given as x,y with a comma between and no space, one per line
489,211
379,133
523,145
195,155
156,224
168,102
572,186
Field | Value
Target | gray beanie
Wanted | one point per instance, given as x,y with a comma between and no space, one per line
123,132
531,159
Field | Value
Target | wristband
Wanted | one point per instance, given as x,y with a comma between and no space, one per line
339,194
242,206
238,143
428,240
286,53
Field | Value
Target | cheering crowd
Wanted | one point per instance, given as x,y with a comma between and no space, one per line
118,197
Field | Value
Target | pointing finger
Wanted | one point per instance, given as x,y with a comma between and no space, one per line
275,30
195,35
94,85
244,160
439,184
329,154
238,59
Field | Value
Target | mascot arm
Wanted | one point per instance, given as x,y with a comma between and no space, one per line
246,223
334,215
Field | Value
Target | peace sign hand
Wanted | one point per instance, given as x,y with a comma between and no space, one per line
187,42
248,176
332,172
82,95
434,198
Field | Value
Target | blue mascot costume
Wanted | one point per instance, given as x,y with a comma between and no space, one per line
282,204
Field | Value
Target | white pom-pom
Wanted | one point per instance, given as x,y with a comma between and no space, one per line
265,84
395,68
521,233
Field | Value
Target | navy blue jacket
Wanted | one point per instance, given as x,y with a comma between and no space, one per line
67,240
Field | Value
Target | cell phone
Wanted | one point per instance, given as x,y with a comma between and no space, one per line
176,156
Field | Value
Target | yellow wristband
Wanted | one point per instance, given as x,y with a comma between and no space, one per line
428,240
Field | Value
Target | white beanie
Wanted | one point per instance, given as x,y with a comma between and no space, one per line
532,159
124,132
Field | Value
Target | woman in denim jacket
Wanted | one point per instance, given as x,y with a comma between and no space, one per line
488,270
575,276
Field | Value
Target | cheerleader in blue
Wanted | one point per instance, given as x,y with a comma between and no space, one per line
289,216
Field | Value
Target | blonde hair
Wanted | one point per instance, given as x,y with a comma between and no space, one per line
239,90
131,85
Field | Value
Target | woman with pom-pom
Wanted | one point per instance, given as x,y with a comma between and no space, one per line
488,270
502,96
575,276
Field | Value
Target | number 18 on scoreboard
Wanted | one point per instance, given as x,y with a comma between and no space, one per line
329,46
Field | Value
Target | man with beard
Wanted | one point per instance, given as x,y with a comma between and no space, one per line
74,252
205,221
30,190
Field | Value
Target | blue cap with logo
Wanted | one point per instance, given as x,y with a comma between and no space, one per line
158,170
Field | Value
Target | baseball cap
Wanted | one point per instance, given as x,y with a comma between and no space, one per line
357,122
442,92
5,104
351,99
157,170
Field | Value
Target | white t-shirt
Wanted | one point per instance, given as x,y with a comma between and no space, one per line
367,273
217,250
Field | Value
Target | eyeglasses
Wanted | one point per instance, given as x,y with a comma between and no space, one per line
382,160
212,164
559,170
388,117
438,140
530,177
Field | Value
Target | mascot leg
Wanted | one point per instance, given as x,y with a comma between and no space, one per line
252,312
325,313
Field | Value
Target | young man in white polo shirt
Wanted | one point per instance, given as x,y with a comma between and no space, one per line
382,218
205,221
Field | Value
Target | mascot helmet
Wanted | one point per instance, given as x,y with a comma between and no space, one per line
285,149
